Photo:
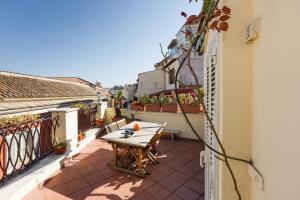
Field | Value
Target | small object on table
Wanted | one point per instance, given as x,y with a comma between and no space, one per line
136,127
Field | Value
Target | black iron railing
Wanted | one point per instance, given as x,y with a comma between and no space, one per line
24,144
86,119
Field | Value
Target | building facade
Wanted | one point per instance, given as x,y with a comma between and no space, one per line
160,80
257,103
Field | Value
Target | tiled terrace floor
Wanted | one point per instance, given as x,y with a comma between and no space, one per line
178,176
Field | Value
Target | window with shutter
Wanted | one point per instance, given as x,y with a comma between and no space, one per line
211,105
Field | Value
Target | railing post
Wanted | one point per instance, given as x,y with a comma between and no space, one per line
101,107
2,157
67,131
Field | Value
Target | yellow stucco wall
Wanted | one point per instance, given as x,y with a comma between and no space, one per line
259,100
276,99
234,69
151,82
175,121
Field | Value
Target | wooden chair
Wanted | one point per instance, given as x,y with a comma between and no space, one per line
121,123
150,148
111,127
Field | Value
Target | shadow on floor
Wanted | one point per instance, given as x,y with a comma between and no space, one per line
87,176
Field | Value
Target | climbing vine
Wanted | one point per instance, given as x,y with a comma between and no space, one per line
210,18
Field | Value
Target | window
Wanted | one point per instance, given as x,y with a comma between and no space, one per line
155,84
172,76
173,51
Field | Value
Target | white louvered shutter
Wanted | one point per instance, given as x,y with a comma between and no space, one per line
211,96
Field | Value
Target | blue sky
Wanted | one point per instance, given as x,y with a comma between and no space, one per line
106,40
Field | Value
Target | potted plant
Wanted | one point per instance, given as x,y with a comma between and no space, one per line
60,148
168,104
141,102
82,107
190,104
153,105
9,121
118,102
81,136
100,122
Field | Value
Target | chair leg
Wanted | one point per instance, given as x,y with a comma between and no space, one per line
153,158
156,152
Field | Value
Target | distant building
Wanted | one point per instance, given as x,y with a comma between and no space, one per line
160,80
22,93
97,86
129,91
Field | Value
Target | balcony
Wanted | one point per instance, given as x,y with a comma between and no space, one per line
178,176
82,172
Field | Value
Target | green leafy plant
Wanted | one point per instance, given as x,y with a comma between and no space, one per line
143,100
81,106
154,100
60,145
118,97
19,119
166,99
188,99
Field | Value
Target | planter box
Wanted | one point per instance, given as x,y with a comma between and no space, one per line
137,107
115,119
152,107
60,151
100,123
170,108
192,108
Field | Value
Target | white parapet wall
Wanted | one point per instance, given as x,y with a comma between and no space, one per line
67,131
176,121
101,107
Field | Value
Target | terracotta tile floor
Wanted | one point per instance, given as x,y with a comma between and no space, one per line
178,176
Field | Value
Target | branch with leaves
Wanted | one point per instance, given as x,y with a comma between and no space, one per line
210,17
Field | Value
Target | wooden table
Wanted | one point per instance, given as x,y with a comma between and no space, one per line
139,140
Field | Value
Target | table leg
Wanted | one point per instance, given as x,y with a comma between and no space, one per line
140,165
115,161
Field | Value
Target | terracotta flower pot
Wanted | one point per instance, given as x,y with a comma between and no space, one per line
138,107
192,108
80,137
152,107
59,150
170,108
100,123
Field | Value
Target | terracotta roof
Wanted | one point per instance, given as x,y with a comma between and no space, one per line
73,79
18,86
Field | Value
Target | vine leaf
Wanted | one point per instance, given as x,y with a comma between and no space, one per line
191,19
224,18
217,13
223,26
226,10
214,24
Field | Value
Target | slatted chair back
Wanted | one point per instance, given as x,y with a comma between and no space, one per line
111,127
121,123
156,137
